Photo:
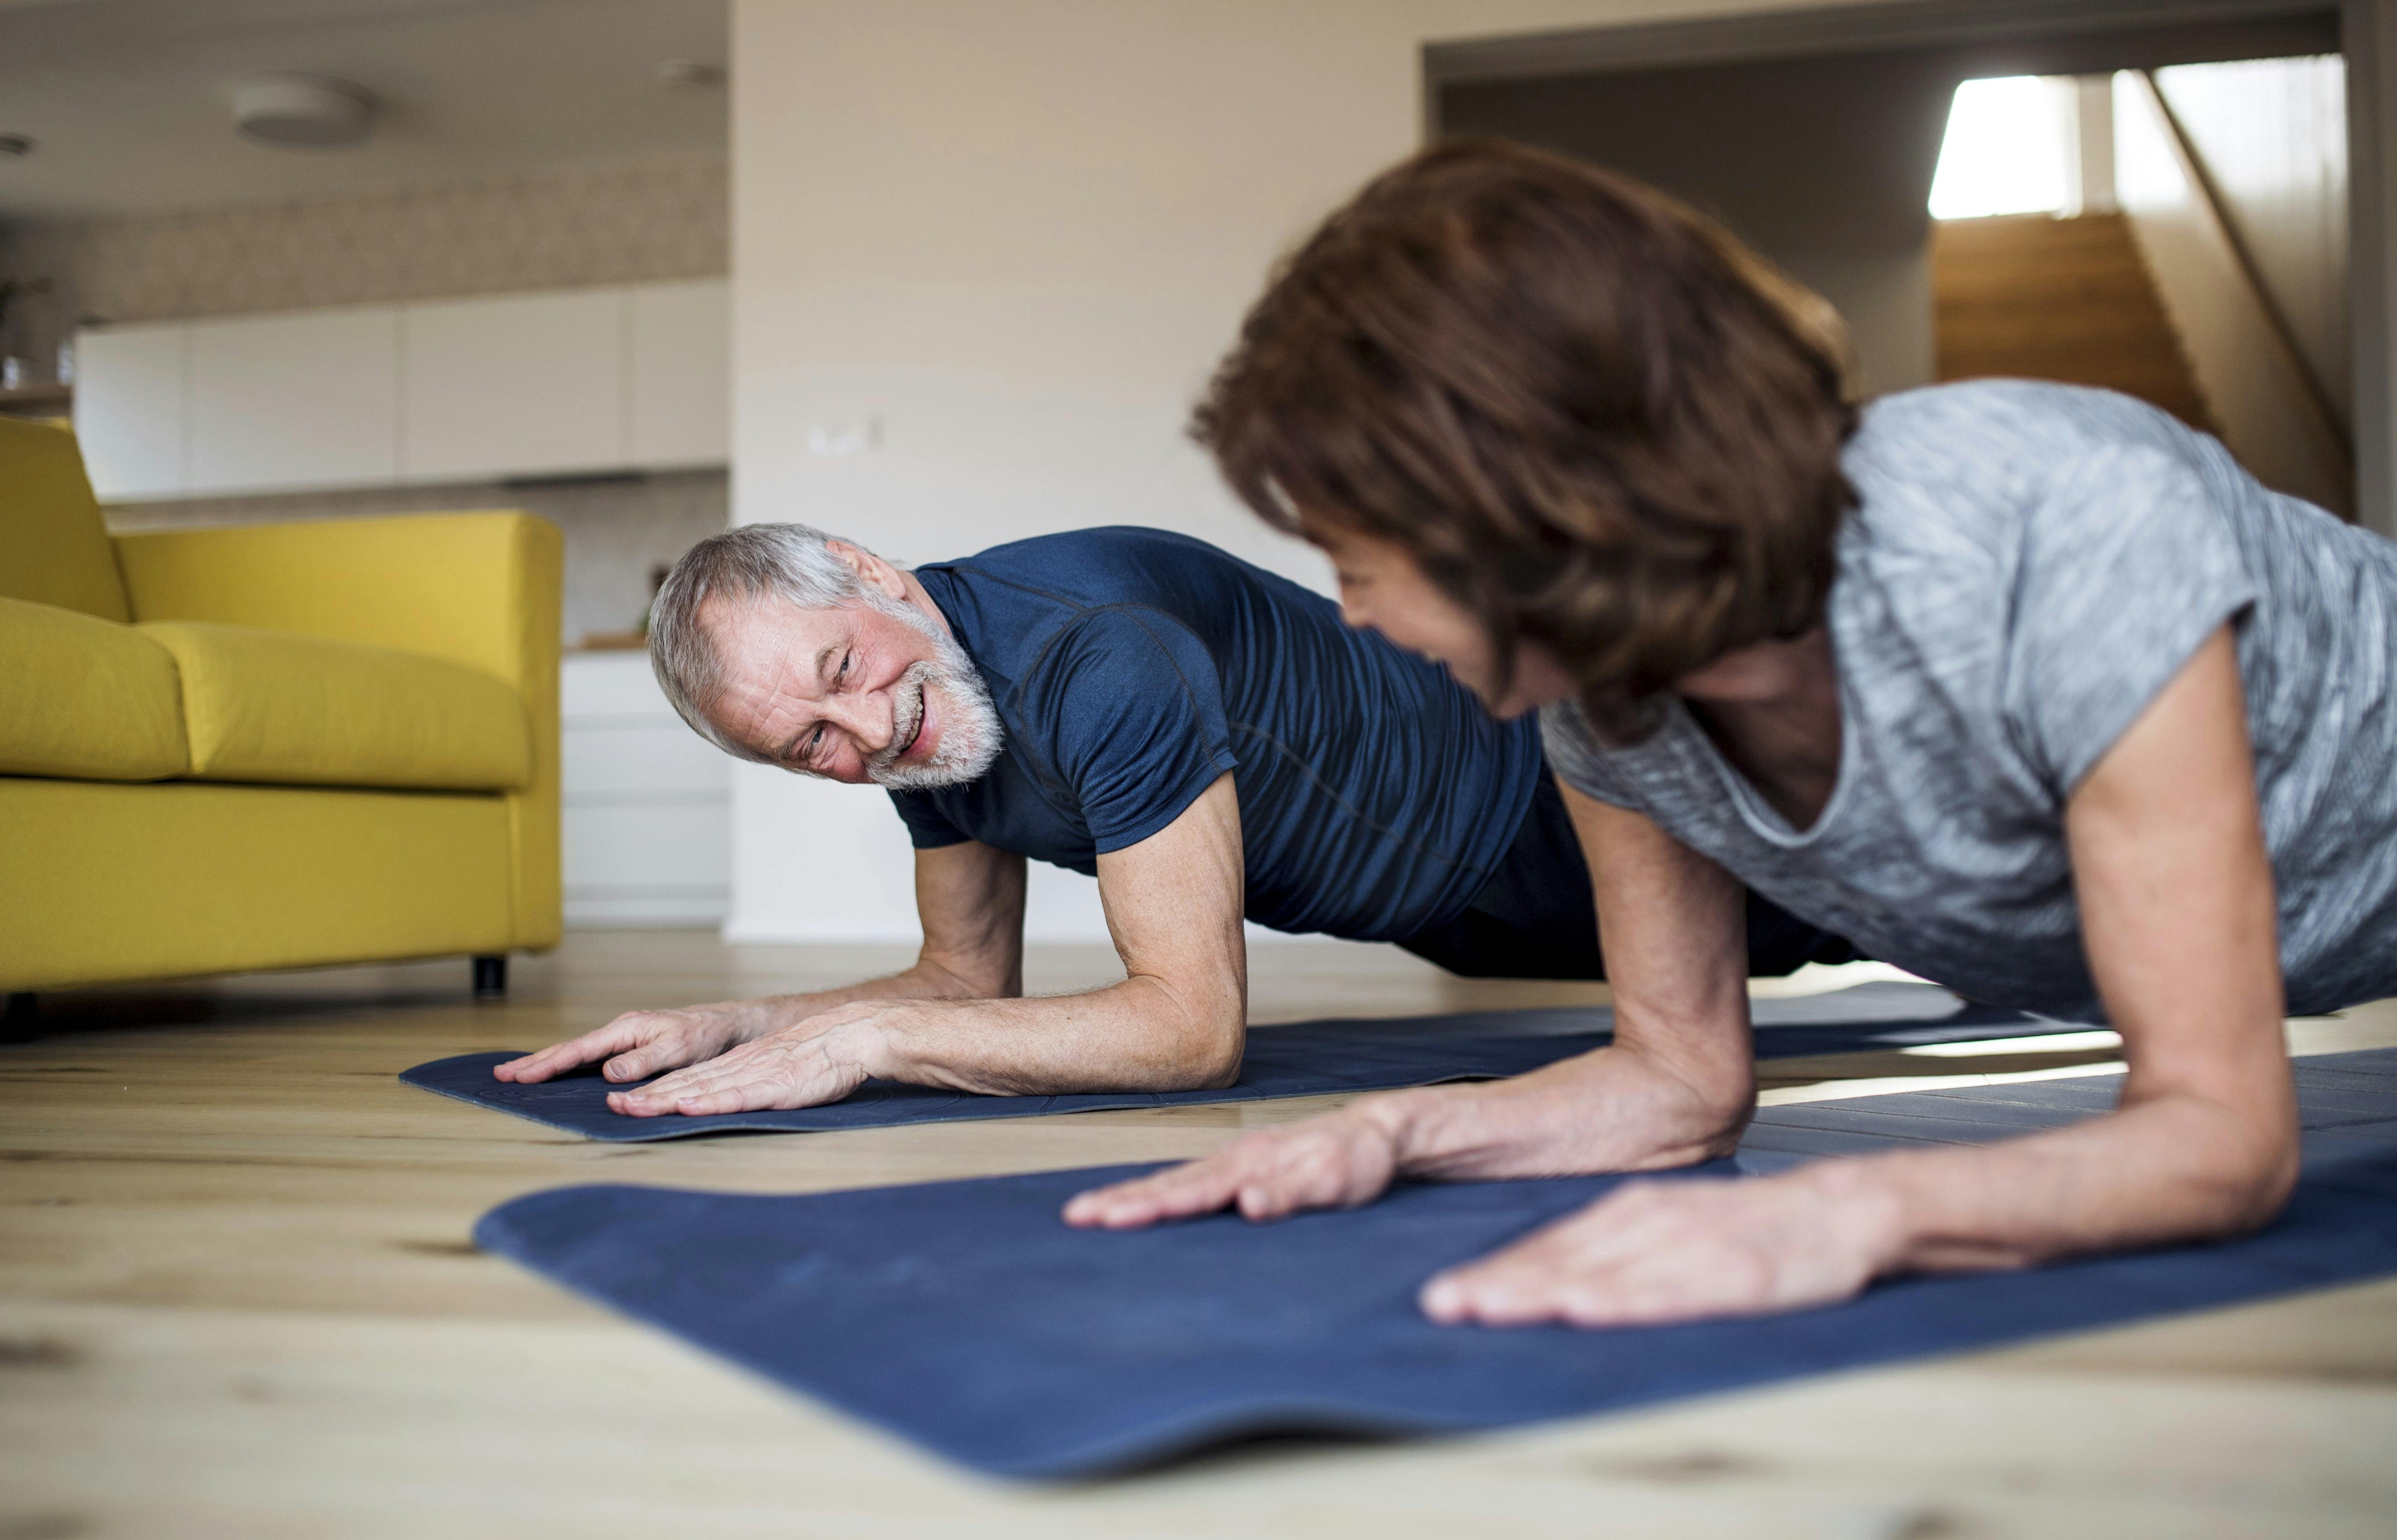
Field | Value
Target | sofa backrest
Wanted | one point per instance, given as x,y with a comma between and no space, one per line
54,549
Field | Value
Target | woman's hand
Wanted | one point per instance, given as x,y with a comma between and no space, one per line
1652,1252
641,1043
1336,1161
822,1059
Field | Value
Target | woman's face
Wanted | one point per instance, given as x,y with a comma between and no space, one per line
1381,589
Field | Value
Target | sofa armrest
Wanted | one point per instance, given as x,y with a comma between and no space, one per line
480,589
483,589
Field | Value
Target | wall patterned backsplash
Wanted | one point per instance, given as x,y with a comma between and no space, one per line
648,219
655,220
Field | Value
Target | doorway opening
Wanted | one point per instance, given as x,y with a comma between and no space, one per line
2160,209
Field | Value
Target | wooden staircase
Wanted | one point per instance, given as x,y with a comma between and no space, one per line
2034,297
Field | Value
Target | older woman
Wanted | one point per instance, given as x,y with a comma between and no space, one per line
2026,689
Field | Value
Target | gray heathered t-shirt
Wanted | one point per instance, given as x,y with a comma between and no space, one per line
2027,567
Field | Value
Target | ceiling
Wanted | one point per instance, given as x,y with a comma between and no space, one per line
131,100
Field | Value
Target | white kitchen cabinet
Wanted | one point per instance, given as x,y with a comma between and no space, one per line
681,376
648,802
516,386
563,383
282,401
130,410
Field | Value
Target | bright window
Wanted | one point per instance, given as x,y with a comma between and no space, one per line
2009,149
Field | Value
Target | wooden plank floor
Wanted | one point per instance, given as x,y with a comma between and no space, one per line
237,1298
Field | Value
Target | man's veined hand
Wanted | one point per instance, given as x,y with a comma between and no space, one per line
822,1059
639,1044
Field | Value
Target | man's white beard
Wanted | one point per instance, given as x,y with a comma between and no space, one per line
971,736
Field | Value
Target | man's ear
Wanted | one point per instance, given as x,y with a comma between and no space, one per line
871,570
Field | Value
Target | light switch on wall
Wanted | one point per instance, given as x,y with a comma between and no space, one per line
852,435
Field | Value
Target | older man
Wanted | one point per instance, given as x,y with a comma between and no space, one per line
1206,738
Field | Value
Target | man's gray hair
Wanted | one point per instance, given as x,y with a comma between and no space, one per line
784,561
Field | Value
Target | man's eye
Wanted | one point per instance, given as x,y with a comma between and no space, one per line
846,659
815,742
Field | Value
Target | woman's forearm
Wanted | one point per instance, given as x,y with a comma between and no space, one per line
2172,1168
1620,1108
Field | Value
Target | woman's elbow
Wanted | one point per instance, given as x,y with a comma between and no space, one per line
2263,1187
2248,1181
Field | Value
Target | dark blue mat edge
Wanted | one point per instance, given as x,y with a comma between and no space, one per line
1232,1417
438,1075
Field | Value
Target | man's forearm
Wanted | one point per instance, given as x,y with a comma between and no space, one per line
1619,1108
1141,1035
926,980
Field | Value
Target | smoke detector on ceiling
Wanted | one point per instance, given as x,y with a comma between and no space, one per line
308,112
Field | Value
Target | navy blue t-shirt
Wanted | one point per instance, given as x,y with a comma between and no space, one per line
1132,667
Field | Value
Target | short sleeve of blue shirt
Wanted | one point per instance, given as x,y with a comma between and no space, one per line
928,827
1130,713
1119,717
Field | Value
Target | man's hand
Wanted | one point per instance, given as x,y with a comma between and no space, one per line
1652,1252
1338,1161
822,1059
640,1043
971,900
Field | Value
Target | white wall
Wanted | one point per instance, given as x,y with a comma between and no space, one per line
2253,379
1823,165
2272,136
1018,238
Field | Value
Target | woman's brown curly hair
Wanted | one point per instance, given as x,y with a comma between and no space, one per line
1593,417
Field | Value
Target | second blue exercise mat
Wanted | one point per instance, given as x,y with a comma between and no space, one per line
965,1316
1311,1059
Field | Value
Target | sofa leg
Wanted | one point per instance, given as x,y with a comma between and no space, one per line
491,978
17,1020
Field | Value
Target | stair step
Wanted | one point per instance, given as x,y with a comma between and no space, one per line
2035,297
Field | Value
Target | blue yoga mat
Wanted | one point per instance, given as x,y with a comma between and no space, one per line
1312,1059
967,1316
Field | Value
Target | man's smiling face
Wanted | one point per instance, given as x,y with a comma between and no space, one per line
859,692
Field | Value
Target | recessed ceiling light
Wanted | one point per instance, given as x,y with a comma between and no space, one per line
689,74
17,144
305,112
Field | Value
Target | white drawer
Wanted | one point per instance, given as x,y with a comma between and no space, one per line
665,759
662,846
612,684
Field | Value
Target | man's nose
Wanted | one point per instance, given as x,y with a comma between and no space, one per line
867,717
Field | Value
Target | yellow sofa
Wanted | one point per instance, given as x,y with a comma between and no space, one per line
269,747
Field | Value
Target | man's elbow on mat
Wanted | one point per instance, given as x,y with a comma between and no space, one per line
1212,1054
1192,1030
1207,1046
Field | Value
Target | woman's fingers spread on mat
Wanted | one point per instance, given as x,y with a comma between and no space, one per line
1332,1163
1336,1161
1658,1252
1201,1187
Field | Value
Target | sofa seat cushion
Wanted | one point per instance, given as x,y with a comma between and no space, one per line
86,698
279,707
